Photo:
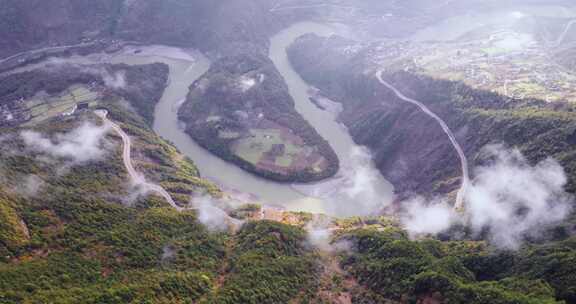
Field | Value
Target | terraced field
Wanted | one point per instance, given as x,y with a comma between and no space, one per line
42,106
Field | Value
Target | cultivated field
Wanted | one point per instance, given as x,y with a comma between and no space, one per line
42,106
277,149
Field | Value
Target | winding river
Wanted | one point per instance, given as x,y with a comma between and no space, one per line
357,189
357,178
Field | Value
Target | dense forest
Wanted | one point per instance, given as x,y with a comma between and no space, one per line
394,267
75,240
73,230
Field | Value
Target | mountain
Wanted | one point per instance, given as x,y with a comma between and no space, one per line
411,149
95,207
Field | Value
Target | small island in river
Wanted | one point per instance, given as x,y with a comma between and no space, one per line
241,111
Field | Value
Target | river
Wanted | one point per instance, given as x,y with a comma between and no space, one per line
356,184
357,189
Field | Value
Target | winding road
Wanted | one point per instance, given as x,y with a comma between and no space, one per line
459,205
136,177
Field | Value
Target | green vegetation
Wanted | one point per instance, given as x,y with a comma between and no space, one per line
245,211
13,232
84,245
392,266
554,263
538,129
269,265
144,86
79,238
159,160
34,96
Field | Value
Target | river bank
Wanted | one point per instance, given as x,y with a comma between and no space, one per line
186,66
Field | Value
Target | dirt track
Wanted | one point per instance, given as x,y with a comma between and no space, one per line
136,177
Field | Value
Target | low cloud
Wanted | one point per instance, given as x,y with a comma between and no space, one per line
31,186
83,144
135,192
168,253
111,79
512,199
422,217
212,215
359,190
116,80
320,235
507,201
322,239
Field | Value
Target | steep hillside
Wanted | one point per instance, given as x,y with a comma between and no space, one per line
234,33
410,148
74,228
215,26
209,26
268,263
77,225
34,24
430,271
13,231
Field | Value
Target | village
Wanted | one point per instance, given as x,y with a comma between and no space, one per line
509,63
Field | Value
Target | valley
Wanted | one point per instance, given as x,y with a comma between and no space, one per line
305,151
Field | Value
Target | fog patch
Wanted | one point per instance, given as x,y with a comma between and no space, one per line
80,145
513,199
507,201
518,15
357,190
31,186
361,182
136,191
320,238
112,79
422,217
212,215
320,235
246,83
55,62
116,80
323,240
168,253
